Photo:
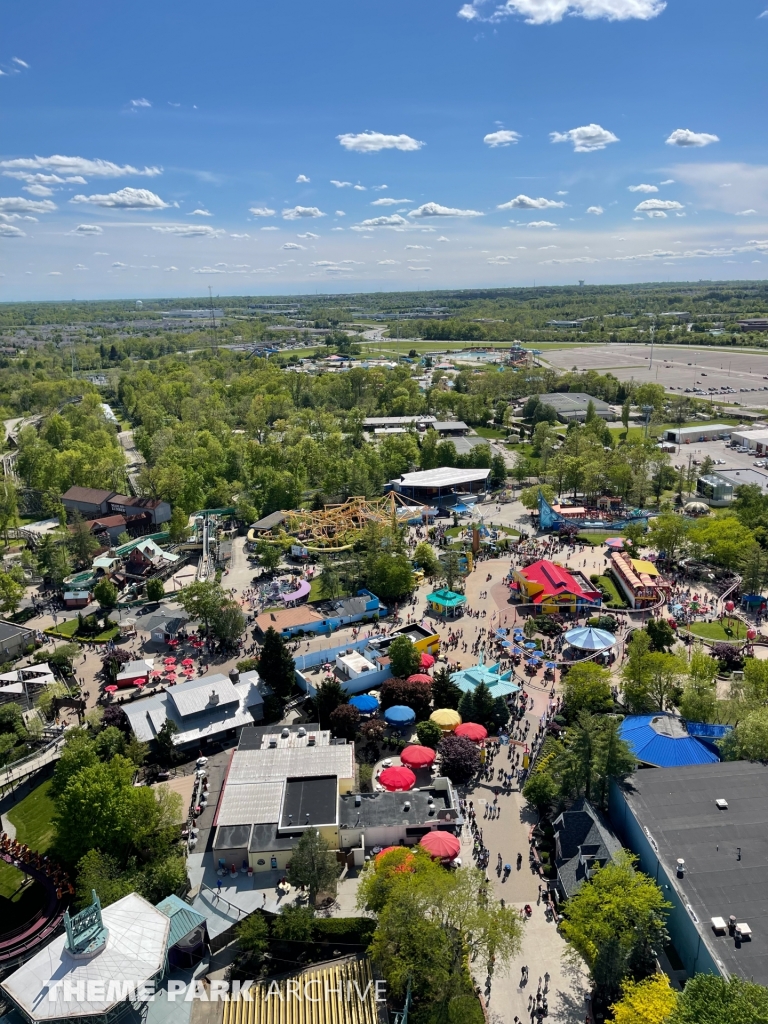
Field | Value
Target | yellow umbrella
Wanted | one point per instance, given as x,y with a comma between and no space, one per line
446,718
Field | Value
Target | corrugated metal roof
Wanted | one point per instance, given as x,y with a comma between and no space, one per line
662,740
195,696
250,803
445,477
183,918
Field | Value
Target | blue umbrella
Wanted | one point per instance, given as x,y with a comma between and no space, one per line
365,703
532,661
501,632
550,664
399,714
505,643
531,646
516,650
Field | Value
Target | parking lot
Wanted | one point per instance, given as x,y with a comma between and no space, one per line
728,375
728,457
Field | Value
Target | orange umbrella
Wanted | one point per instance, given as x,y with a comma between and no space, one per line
444,845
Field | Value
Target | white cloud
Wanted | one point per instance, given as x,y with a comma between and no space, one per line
418,247
271,228
442,238
645,188
541,224
543,12
388,263
308,234
299,212
685,137
503,137
392,221
654,207
341,184
748,185
379,188
88,229
10,231
54,273
573,259
293,245
522,202
261,211
339,213
389,202
763,15
78,165
561,193
587,139
38,190
745,213
302,180
245,235
360,188
428,269
669,181
19,62
125,199
596,210
337,229
374,142
167,269
137,104
502,260
208,270
119,266
17,204
189,230
201,213
436,210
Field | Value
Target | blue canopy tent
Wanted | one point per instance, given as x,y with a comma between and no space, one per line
399,715
364,703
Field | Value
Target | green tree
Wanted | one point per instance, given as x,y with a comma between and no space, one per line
540,791
754,569
635,675
445,693
625,410
749,740
167,751
699,700
79,752
424,556
82,543
390,577
155,589
709,999
451,573
313,864
649,1001
9,508
661,635
270,556
11,593
466,707
228,623
530,496
634,538
330,694
498,477
253,935
484,705
330,583
404,658
429,734
294,924
106,594
667,533
94,812
276,666
178,528
665,672
615,923
201,600
105,874
587,687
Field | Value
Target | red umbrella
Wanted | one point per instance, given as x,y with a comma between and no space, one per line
169,661
140,683
173,643
110,689
427,661
417,756
187,662
472,731
420,677
441,844
396,778
386,850
156,674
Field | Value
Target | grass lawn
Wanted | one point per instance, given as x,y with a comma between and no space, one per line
596,538
616,600
64,629
715,630
314,591
33,818
657,429
491,432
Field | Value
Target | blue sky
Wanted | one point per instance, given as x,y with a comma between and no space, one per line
162,148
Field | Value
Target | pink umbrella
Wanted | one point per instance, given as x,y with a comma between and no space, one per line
419,677
156,674
173,643
140,683
441,844
427,661
169,661
471,731
397,777
188,661
729,606
751,634
110,689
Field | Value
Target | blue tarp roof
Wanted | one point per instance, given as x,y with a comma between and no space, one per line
662,740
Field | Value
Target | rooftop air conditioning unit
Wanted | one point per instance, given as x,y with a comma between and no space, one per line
358,800
407,805
285,734
722,805
272,742
311,740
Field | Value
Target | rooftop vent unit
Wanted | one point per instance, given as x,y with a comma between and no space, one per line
272,742
722,805
302,731
311,740
285,734
358,799
407,805
213,698
680,867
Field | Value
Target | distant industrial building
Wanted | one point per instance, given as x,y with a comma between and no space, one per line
193,314
719,488
692,435
757,323
699,832
384,422
573,405
756,439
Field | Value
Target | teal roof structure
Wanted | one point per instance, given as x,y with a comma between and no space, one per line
501,684
183,918
446,598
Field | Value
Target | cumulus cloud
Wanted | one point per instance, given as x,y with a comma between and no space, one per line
11,231
573,259
543,12
596,210
119,266
503,137
299,212
341,184
168,269
78,165
644,188
436,210
269,229
390,202
261,211
17,204
502,260
657,207
522,202
392,221
293,245
388,263
302,180
88,229
418,247
125,199
685,137
541,224
360,188
428,269
38,190
189,230
245,235
54,273
745,213
138,104
339,213
374,142
587,139
79,266
201,213
308,234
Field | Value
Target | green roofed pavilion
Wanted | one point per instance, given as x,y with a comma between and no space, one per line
446,602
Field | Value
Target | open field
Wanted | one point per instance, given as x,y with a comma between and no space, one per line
33,818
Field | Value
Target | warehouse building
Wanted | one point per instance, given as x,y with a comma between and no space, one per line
755,438
573,405
693,435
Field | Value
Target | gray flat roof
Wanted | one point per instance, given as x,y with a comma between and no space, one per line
309,802
677,807
204,694
573,401
737,477
388,808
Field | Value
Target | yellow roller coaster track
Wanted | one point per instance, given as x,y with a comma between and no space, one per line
336,522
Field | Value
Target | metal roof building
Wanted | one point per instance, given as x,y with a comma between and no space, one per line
663,741
573,405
